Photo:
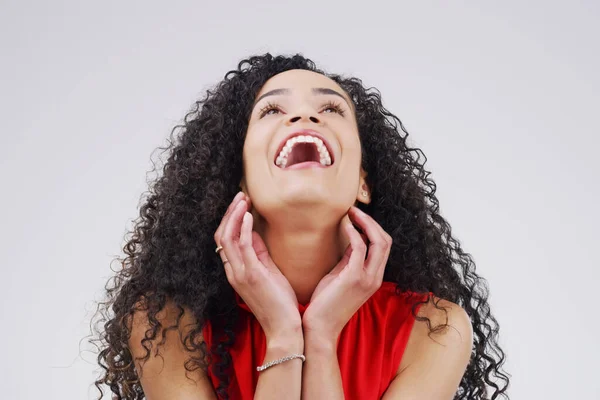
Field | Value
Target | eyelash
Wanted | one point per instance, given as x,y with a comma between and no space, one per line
274,106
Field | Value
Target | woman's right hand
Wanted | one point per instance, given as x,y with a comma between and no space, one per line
253,274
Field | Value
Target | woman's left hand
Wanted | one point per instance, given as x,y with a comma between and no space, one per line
351,282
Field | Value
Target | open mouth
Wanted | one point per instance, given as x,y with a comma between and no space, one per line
304,149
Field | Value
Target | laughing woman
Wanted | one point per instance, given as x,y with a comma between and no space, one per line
293,248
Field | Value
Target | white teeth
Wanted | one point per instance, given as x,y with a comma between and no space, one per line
325,157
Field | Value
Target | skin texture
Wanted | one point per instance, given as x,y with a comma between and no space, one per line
301,234
299,211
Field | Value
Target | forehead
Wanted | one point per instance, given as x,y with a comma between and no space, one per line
299,80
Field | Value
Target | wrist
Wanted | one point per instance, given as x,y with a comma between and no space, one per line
320,342
291,341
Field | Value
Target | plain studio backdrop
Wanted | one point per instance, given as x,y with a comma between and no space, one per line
502,98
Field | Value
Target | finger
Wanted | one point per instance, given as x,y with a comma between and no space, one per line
379,270
389,241
364,238
236,199
261,251
358,247
239,196
219,231
247,198
249,257
343,261
258,245
378,246
231,237
228,270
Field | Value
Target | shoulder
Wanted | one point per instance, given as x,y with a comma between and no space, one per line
160,354
443,312
435,359
446,332
177,318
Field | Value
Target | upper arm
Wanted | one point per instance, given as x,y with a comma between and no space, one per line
164,376
433,365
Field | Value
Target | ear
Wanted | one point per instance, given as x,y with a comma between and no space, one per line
364,192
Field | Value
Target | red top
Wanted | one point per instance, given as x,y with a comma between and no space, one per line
369,351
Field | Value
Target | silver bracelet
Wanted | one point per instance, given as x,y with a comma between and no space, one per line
284,359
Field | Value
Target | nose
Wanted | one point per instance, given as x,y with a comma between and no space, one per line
307,116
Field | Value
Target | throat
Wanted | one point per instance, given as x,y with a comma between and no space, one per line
305,256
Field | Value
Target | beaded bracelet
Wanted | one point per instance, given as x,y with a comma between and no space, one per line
287,358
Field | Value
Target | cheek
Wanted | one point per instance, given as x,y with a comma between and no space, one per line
351,152
256,165
349,168
253,161
255,148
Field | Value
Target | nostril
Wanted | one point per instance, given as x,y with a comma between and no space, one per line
313,119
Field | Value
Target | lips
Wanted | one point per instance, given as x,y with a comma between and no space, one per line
319,141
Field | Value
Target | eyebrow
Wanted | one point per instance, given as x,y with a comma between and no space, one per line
285,91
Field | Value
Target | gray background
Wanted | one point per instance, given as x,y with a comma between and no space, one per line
502,98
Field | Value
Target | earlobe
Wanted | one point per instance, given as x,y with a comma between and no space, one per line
364,195
363,192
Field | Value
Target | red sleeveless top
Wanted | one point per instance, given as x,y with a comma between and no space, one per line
369,351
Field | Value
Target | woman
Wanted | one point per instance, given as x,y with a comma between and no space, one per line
331,271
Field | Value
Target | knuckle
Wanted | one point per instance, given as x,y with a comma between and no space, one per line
361,246
226,240
376,284
244,243
370,284
389,239
237,278
356,280
252,279
366,283
382,246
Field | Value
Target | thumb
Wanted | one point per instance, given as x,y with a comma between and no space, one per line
343,261
261,251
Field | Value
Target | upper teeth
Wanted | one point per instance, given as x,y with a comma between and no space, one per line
325,158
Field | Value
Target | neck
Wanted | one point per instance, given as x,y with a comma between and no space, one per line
304,250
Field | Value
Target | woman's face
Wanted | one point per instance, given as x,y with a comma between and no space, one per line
321,167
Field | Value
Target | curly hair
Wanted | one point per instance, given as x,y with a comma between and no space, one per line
170,251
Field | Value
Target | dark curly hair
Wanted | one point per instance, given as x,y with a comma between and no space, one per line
170,253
